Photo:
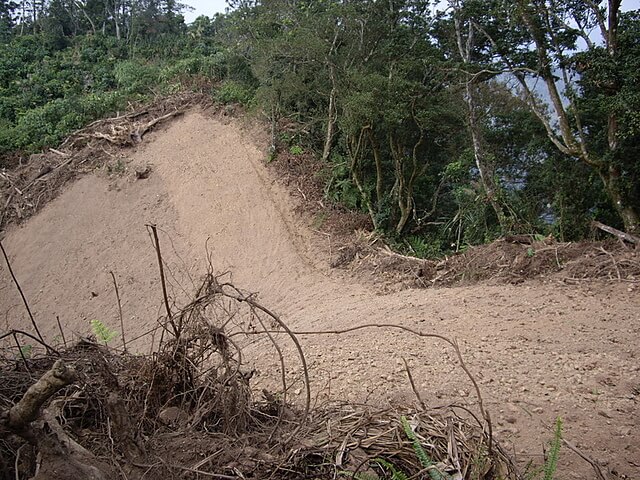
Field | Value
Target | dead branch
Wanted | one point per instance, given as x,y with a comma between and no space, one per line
115,286
24,299
64,340
27,409
413,385
165,296
623,236
596,468
389,253
147,126
238,296
32,337
452,343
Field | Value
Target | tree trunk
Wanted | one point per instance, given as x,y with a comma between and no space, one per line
355,152
628,212
465,49
331,116
116,18
379,172
478,155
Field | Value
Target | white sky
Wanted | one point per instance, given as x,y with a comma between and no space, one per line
204,7
210,7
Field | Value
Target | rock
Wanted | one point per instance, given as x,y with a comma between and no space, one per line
142,173
173,416
624,431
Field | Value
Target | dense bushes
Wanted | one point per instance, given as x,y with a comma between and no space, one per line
45,94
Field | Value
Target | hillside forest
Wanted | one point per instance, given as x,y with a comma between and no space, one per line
446,124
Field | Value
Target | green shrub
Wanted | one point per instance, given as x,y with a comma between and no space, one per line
136,77
234,92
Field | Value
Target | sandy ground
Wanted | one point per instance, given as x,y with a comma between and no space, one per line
538,350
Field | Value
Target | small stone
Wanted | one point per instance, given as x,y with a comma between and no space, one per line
624,431
173,416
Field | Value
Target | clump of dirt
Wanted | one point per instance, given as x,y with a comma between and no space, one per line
503,261
189,410
304,176
512,259
27,187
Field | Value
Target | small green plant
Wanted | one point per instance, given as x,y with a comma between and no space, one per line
389,467
296,150
395,473
550,467
539,238
102,332
26,351
117,168
530,252
234,92
318,220
551,464
421,247
425,461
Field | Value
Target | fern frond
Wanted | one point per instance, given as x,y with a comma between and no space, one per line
425,461
551,464
360,476
102,332
395,473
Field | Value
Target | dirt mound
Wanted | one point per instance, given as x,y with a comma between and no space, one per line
503,261
188,410
24,190
539,350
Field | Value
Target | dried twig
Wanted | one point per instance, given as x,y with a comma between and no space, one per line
115,286
26,334
154,230
64,340
24,360
413,385
586,458
613,260
452,343
250,301
24,299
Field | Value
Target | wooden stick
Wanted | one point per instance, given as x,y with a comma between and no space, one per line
618,233
27,409
165,296
115,286
24,299
64,340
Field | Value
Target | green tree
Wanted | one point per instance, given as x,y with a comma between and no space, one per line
536,42
7,19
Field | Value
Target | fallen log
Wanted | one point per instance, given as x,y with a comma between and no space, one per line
624,236
28,408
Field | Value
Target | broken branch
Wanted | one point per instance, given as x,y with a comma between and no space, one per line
627,237
27,409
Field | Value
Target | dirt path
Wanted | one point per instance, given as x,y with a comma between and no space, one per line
538,350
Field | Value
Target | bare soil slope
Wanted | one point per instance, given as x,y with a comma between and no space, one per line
538,350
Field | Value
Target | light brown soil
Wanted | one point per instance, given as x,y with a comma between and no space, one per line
538,350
